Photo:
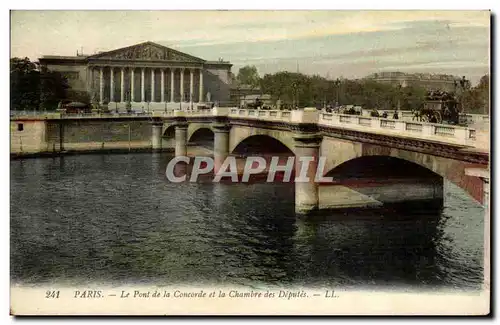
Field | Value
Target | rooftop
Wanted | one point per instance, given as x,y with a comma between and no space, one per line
423,76
62,57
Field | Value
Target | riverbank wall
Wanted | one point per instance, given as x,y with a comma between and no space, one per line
48,137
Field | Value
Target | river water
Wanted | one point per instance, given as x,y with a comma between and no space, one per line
111,219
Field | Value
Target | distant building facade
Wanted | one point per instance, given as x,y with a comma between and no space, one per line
251,99
240,91
147,75
428,81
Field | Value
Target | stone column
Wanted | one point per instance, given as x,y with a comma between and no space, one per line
201,86
156,135
111,85
306,191
122,85
221,143
182,85
172,84
191,85
181,139
90,80
143,94
152,85
101,86
132,97
162,99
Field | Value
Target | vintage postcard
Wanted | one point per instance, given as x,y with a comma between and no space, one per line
250,162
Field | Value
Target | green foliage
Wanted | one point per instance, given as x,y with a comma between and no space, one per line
24,84
315,91
33,87
476,99
54,88
248,75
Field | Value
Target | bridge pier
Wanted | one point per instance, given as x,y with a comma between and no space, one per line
221,143
156,136
181,139
306,191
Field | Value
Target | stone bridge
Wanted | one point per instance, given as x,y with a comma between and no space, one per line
410,152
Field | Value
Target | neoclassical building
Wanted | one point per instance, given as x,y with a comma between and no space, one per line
426,80
149,75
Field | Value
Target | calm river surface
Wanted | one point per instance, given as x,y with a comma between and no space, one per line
115,218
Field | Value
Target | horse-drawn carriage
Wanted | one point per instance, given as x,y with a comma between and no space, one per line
439,107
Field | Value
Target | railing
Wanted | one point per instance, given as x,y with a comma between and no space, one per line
446,131
387,124
172,113
346,119
260,114
431,131
399,128
414,127
365,121
27,113
104,115
474,118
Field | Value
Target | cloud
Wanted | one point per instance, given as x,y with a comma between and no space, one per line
361,40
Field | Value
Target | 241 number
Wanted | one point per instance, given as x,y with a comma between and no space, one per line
52,294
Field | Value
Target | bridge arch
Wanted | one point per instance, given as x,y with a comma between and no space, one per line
262,145
240,134
381,166
199,131
169,131
447,168
202,136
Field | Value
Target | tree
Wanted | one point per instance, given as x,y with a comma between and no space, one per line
33,86
248,75
412,98
476,99
483,90
53,88
24,84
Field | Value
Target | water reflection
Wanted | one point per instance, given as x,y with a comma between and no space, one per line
116,218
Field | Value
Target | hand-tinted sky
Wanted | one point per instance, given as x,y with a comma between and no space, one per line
330,43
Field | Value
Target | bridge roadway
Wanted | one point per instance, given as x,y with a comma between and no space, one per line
452,152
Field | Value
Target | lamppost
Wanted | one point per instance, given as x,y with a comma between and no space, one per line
294,95
337,88
238,97
398,107
463,85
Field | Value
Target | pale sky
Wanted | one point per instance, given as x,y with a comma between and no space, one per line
351,44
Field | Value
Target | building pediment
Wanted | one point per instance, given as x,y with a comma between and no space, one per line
147,51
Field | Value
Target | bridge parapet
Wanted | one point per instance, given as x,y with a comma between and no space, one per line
268,115
451,134
173,113
430,131
412,129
